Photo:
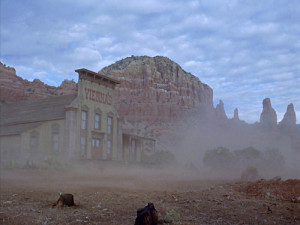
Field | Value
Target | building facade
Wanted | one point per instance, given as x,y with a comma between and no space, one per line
82,126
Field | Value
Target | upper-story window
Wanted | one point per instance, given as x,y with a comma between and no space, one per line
55,142
55,137
97,121
34,141
83,120
109,125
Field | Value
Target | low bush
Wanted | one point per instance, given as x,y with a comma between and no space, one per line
172,215
268,161
10,164
159,158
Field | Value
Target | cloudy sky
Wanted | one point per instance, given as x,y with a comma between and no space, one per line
245,50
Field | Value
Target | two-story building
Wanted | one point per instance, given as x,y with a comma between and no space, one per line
81,126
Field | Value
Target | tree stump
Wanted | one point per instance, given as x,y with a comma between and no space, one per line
65,199
147,215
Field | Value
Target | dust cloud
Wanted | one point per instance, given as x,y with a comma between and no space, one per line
271,152
187,190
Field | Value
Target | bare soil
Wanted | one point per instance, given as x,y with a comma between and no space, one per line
112,196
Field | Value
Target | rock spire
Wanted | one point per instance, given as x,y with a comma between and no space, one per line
268,117
236,114
220,111
288,123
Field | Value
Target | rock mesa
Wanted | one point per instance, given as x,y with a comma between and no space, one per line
157,89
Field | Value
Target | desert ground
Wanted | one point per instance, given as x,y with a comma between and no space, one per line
111,195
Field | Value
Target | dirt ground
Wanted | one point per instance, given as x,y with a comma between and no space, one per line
112,196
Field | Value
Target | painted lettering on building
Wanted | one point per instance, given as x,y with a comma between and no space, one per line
98,96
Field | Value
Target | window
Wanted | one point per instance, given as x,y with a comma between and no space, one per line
55,142
95,143
96,149
97,121
34,141
109,125
83,147
133,146
83,120
108,150
133,150
55,137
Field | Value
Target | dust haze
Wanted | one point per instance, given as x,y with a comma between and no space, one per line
277,152
195,177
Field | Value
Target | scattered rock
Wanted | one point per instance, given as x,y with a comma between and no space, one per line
295,200
281,190
269,209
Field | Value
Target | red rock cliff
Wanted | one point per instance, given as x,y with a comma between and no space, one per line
13,88
156,89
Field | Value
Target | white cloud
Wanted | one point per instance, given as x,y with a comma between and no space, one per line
137,6
86,55
249,28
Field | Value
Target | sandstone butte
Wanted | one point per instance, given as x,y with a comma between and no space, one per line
156,89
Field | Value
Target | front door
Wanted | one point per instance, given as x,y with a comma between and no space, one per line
96,149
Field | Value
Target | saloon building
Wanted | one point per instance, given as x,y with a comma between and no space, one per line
81,126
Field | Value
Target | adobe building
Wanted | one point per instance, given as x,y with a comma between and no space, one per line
81,126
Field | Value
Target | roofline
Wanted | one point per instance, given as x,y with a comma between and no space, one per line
6,135
115,81
31,121
36,99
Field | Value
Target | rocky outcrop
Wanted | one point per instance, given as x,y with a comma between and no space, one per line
10,85
268,117
157,89
13,88
67,87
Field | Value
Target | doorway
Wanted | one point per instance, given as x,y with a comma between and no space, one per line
97,149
